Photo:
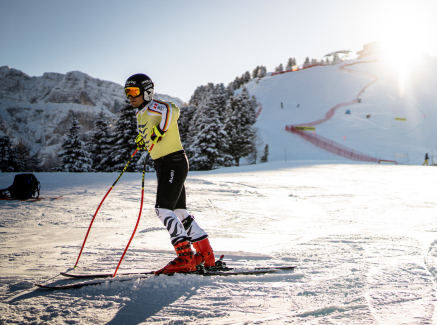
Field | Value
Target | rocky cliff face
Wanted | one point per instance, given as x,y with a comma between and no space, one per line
39,110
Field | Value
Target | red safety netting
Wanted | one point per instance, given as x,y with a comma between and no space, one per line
330,145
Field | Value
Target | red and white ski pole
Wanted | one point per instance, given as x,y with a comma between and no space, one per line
139,216
98,208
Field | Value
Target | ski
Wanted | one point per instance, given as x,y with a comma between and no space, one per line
213,269
103,275
146,275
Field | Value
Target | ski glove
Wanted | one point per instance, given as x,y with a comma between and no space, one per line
141,145
157,134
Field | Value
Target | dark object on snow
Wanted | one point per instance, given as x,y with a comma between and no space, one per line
348,112
359,99
368,115
25,186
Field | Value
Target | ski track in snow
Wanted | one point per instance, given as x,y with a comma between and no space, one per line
362,235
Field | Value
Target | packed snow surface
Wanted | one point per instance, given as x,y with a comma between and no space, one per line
394,118
363,238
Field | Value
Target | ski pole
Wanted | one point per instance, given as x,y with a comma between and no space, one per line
139,216
92,220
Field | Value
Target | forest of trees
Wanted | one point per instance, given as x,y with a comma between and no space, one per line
216,130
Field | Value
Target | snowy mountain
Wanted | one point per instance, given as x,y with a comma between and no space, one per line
39,110
375,108
358,108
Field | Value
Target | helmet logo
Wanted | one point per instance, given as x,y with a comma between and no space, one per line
148,94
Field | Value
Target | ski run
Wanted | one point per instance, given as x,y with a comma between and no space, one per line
363,236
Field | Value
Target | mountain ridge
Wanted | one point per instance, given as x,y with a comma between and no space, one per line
39,110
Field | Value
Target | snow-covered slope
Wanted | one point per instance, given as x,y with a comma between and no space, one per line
363,238
39,110
371,128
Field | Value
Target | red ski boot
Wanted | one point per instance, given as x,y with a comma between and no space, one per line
185,261
204,249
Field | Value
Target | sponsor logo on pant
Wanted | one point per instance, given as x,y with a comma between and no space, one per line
171,176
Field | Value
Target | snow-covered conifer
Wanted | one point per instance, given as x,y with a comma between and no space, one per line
237,83
239,120
207,139
123,139
289,65
201,95
26,161
265,156
185,117
262,72
100,147
8,155
279,68
74,157
255,72
245,78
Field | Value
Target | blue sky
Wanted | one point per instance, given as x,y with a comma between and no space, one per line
185,44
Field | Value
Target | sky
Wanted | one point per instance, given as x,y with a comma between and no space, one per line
185,44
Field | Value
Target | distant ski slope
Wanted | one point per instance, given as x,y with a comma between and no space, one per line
308,95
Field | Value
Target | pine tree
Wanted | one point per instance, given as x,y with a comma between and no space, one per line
237,83
307,62
201,95
279,68
186,115
240,117
74,157
207,138
255,72
265,157
8,155
123,139
253,156
262,72
100,147
245,78
289,65
26,162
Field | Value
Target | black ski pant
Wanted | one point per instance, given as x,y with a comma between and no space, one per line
171,170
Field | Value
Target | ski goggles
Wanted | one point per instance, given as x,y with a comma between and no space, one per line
132,91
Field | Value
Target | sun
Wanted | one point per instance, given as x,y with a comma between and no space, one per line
406,34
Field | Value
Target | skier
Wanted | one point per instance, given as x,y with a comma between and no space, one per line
426,160
159,134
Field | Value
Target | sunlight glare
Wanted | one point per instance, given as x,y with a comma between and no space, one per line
405,36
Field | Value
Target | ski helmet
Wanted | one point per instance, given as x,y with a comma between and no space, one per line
144,83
